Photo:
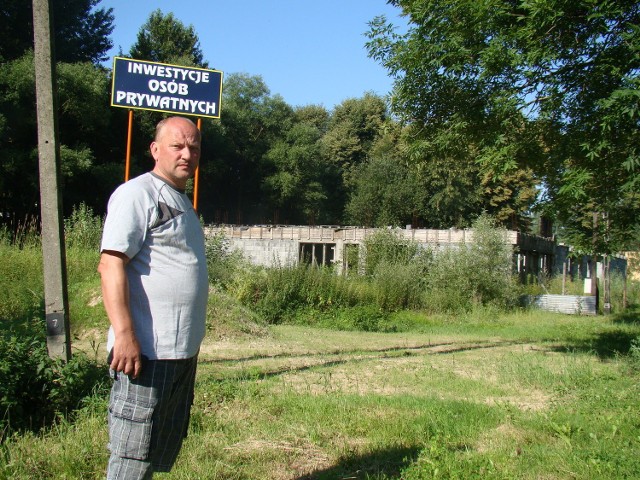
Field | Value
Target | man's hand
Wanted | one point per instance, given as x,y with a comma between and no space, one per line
126,354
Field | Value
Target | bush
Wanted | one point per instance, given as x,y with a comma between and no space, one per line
448,289
397,268
476,274
398,286
223,264
277,293
272,292
83,229
35,389
387,246
491,265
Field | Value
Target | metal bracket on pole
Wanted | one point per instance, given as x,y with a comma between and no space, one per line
127,163
196,178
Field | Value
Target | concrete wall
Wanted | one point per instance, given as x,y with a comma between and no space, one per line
266,252
286,245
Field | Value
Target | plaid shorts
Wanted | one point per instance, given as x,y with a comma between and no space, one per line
149,417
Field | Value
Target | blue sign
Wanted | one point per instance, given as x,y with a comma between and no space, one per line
161,87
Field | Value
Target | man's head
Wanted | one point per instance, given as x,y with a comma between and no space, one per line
176,150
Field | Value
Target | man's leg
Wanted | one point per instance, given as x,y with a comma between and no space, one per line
160,397
131,407
128,469
171,419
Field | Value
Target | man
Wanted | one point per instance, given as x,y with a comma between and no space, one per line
154,286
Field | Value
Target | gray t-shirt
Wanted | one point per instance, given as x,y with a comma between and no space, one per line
155,225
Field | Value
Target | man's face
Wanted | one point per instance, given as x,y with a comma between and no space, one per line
176,151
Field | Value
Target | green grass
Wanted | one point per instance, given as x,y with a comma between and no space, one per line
20,297
525,395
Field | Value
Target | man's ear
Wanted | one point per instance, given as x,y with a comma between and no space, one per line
153,148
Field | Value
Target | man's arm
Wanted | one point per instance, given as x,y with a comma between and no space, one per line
115,296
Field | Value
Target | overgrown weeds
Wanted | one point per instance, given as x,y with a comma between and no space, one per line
396,274
21,286
224,264
83,229
36,389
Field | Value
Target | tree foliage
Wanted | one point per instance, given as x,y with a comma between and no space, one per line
164,38
479,273
86,142
81,30
526,85
353,128
252,120
295,185
496,103
385,189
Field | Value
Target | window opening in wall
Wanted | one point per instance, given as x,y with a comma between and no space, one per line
351,259
317,253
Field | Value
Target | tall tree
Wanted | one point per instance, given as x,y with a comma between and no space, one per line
164,38
537,85
85,136
386,192
385,188
301,180
252,120
81,30
451,192
354,127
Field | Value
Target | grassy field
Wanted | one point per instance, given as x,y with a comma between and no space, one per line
526,395
480,395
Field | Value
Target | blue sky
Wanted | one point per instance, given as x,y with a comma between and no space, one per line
308,51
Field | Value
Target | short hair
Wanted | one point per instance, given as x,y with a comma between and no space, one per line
164,121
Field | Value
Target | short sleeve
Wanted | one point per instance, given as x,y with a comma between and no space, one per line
127,220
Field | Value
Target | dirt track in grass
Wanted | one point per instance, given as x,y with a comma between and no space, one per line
319,362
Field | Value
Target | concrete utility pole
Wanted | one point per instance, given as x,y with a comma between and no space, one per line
53,252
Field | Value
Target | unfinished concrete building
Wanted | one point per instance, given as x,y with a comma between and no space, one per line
339,246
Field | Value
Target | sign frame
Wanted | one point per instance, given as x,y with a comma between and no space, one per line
168,88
